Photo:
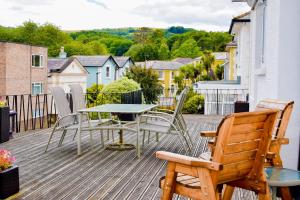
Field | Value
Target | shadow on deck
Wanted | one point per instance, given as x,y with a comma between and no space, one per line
98,173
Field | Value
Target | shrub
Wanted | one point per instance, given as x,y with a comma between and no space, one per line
112,92
194,103
92,93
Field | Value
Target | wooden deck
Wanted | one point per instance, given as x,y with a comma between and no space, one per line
98,173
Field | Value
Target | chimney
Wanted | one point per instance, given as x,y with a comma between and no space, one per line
62,53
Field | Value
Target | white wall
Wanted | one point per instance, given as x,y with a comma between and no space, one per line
278,76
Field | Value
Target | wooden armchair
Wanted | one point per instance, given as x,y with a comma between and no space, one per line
285,109
237,160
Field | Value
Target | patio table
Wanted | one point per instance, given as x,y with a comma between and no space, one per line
137,109
281,177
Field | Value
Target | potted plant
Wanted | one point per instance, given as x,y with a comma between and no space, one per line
9,175
4,121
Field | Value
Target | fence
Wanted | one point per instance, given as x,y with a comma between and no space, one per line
216,101
39,111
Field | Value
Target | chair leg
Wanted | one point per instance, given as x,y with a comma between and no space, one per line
228,192
170,181
148,137
266,196
157,137
75,134
107,134
285,193
112,135
54,129
143,141
62,138
102,138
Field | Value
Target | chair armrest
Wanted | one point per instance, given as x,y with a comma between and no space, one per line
208,133
186,160
281,140
159,113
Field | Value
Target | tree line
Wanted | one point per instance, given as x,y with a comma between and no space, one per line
139,43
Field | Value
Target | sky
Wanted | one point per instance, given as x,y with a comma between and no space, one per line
210,15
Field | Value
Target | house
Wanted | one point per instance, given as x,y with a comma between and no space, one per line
124,62
101,69
23,69
166,70
231,68
275,63
239,60
184,61
65,71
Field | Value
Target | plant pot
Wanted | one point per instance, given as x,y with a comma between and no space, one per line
241,106
4,124
9,182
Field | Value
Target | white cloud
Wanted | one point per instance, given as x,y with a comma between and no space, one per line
91,14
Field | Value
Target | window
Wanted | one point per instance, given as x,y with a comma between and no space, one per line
172,75
160,75
107,72
37,88
37,61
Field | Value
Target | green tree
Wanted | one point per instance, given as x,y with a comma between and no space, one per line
97,48
207,60
219,72
188,49
148,79
77,48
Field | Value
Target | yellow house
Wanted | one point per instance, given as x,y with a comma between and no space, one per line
229,70
166,70
220,59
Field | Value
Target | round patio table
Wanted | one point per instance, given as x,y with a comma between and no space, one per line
281,177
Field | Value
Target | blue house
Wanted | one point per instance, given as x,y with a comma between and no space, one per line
124,62
101,69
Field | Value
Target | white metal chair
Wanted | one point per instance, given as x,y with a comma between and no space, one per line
66,120
165,123
78,99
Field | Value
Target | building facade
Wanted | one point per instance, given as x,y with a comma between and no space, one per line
101,69
274,62
124,63
23,69
65,71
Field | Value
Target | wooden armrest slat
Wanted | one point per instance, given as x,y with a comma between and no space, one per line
186,160
208,133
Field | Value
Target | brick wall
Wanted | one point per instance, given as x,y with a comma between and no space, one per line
18,73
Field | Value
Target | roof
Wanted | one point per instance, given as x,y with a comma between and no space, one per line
121,60
220,55
161,65
244,17
93,61
184,60
231,44
60,64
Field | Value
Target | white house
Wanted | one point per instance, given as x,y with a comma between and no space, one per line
275,63
240,29
124,62
65,71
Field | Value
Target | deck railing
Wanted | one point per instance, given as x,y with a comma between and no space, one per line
39,111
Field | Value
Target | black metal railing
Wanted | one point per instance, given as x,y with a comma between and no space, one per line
39,111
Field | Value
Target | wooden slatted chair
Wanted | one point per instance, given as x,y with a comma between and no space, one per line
237,160
285,109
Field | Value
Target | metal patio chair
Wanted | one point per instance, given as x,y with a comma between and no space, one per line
66,120
168,123
78,99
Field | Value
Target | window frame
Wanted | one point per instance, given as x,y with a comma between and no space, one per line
41,60
162,75
33,84
107,67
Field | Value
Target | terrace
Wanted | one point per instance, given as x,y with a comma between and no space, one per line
98,173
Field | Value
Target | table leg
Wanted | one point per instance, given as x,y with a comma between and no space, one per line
274,191
79,135
138,137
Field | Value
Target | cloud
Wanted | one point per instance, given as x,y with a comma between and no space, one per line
191,12
31,2
97,2
16,8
